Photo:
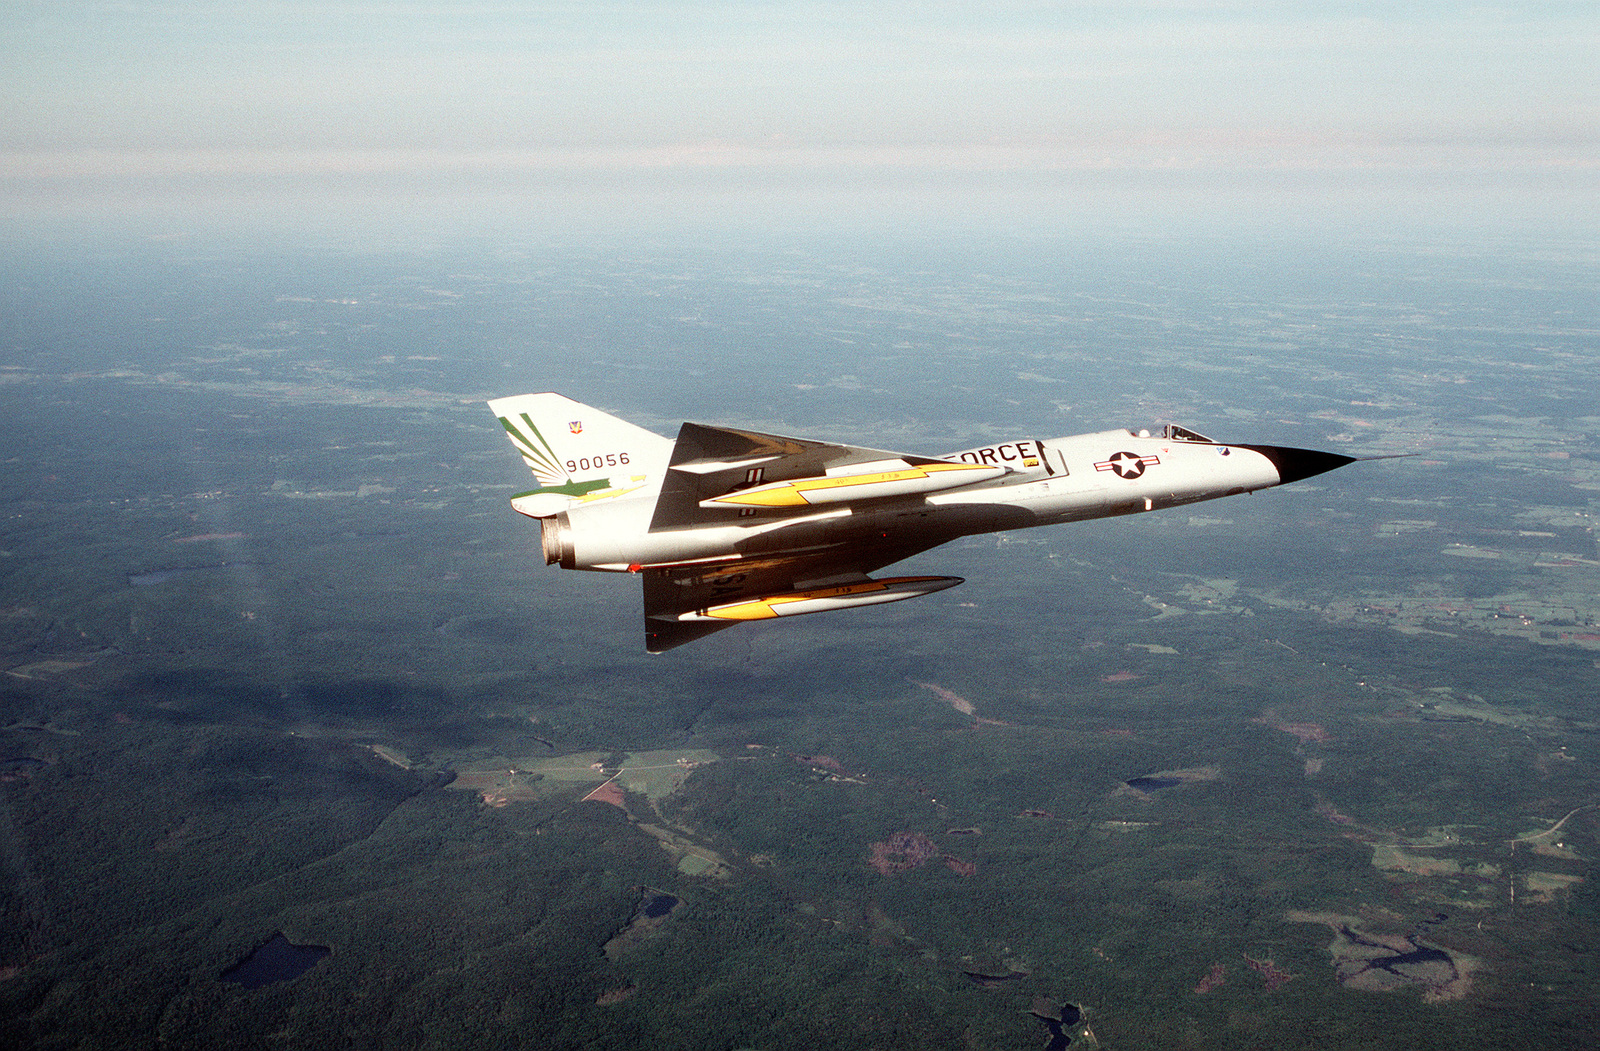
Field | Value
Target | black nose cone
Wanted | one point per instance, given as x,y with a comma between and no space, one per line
1295,464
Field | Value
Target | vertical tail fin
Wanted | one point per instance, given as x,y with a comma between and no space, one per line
578,453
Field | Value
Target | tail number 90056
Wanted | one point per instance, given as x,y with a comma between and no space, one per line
597,462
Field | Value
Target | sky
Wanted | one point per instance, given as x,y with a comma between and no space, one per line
703,109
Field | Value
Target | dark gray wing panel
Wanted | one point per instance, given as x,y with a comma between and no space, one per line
663,635
710,461
672,590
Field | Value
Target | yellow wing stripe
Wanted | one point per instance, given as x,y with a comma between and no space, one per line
761,609
792,494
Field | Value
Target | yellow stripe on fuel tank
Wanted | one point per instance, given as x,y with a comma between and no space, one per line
761,609
800,492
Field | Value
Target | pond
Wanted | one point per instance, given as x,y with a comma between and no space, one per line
1153,784
279,960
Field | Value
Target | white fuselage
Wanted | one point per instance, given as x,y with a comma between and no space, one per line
1048,482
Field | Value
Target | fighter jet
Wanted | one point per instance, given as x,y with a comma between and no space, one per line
726,526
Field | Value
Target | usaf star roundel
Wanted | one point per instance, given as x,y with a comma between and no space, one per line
1126,464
